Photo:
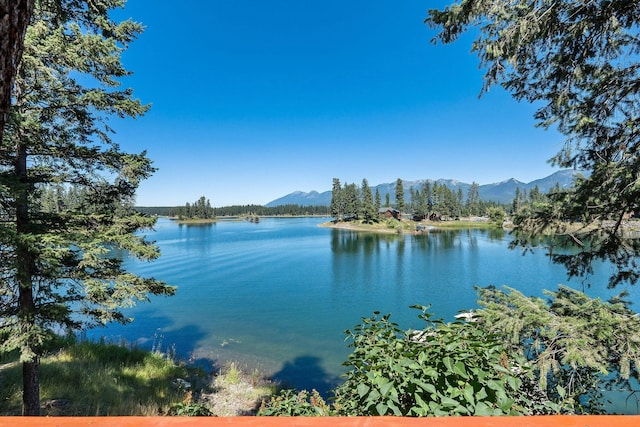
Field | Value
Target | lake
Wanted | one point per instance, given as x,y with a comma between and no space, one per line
277,295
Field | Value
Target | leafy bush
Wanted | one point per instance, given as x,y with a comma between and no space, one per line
391,223
496,215
291,403
445,369
190,409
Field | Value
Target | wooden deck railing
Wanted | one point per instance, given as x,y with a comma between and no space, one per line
540,421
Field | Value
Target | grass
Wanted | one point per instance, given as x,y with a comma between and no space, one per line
99,379
238,391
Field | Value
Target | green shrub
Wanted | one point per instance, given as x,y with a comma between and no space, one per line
391,223
445,369
188,408
496,215
292,403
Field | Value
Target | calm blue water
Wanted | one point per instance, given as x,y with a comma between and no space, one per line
278,295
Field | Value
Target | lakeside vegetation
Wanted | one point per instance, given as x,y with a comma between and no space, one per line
430,201
356,207
512,356
516,355
400,226
240,210
83,378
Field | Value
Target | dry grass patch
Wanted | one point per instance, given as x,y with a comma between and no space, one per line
237,392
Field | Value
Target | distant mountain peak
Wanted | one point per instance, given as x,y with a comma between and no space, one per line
500,192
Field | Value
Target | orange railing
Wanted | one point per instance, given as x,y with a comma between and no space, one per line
540,421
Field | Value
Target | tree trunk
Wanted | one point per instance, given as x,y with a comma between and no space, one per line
31,388
25,271
14,18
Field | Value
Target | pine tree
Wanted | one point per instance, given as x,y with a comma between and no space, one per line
61,268
400,203
428,196
473,199
422,210
351,201
459,198
368,210
517,201
413,200
336,208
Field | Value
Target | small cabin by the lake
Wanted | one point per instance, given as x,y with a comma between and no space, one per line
389,213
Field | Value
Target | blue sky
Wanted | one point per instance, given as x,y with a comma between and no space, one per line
252,100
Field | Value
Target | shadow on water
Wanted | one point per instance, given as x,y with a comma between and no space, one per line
305,373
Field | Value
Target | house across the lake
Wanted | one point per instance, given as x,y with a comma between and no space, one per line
389,213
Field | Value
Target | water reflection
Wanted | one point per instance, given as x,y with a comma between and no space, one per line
197,225
350,242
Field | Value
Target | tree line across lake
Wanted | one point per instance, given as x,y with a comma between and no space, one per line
428,201
184,212
353,202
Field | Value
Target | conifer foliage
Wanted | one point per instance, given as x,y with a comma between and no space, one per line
61,268
200,209
576,345
578,62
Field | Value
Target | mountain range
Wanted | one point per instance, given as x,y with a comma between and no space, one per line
500,192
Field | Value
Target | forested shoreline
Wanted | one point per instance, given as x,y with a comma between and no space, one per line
240,210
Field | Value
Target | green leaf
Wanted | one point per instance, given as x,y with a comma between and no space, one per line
385,388
430,372
373,396
495,385
396,411
428,387
469,394
363,389
482,394
514,382
460,369
483,410
448,363
505,405
447,401
420,402
381,409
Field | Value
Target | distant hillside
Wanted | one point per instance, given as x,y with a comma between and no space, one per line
504,192
500,192
312,198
